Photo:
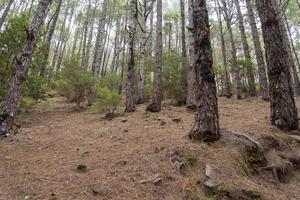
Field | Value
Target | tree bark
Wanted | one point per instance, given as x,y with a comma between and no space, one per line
48,40
5,13
206,127
224,55
155,105
250,74
264,86
14,94
130,98
84,60
292,42
283,110
235,66
191,97
98,45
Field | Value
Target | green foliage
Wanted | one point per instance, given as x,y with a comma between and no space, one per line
73,81
11,42
35,87
172,83
246,64
107,100
110,81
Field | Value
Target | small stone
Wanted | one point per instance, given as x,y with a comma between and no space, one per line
177,120
157,181
82,168
211,186
209,171
121,163
124,120
163,123
98,189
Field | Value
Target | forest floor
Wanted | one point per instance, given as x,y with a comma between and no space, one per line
128,157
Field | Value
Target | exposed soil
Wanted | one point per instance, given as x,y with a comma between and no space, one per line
41,161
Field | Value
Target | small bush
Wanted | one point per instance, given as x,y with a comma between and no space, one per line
73,82
107,100
172,82
35,87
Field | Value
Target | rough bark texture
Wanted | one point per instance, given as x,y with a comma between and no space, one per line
191,97
5,13
250,74
235,66
49,36
147,9
206,127
85,61
264,86
292,42
224,55
155,105
130,98
14,94
98,46
283,110
287,46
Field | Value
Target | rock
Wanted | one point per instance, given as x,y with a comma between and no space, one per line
82,168
177,120
285,172
124,120
98,190
211,186
163,123
157,181
121,163
145,181
209,171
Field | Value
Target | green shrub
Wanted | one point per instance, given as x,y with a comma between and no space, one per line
35,87
172,82
107,100
73,82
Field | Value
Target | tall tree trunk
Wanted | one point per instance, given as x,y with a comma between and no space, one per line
155,105
5,13
98,45
14,94
89,43
264,86
84,61
287,45
291,39
206,127
49,36
60,40
191,97
250,74
235,66
130,97
224,55
283,110
184,60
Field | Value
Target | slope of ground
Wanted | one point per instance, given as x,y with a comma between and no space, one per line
126,155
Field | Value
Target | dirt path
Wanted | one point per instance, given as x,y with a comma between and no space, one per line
41,161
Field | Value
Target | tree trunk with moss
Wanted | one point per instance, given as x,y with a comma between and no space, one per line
15,92
206,127
283,109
